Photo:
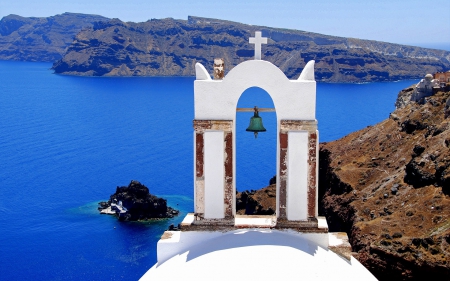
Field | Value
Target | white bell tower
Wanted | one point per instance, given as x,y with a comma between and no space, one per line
297,141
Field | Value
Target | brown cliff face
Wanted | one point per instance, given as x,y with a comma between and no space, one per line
388,187
169,47
257,202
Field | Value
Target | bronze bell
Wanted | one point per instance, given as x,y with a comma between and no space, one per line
256,124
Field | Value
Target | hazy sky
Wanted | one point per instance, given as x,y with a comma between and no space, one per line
395,21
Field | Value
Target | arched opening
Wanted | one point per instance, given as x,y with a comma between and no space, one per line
219,172
255,157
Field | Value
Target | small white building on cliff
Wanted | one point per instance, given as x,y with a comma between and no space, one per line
216,244
425,88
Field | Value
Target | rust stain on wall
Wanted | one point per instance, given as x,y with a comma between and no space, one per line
283,140
229,157
229,196
199,144
282,200
283,175
202,125
312,176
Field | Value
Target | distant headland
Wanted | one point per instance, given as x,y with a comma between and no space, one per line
91,45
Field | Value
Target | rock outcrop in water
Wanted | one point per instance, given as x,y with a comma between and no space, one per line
136,203
169,47
388,187
40,39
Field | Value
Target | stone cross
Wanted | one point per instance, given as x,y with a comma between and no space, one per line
258,40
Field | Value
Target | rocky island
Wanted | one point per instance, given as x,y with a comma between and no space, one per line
135,203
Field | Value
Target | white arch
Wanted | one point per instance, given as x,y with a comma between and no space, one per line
295,103
266,119
293,99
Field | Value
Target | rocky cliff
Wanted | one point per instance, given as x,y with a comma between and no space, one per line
96,46
388,187
168,47
257,202
40,39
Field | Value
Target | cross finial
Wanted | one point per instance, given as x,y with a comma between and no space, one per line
257,40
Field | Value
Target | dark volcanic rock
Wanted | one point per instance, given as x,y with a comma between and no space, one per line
404,235
170,47
40,39
140,204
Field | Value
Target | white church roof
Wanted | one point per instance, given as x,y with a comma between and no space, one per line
258,254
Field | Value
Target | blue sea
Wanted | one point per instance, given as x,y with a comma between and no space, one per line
67,142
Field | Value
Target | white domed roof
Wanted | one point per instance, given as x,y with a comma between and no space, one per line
258,255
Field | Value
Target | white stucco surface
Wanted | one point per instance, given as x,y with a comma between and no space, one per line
297,196
255,221
217,99
214,174
336,239
322,222
254,254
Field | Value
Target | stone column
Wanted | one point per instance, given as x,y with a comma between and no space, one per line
200,126
283,175
298,125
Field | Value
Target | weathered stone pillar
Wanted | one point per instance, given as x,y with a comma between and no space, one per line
283,175
310,127
200,127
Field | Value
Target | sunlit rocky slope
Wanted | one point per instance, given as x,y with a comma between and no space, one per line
388,187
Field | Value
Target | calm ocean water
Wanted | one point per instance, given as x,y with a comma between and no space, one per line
67,142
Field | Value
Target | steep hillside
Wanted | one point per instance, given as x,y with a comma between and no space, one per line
388,187
40,39
257,202
172,47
